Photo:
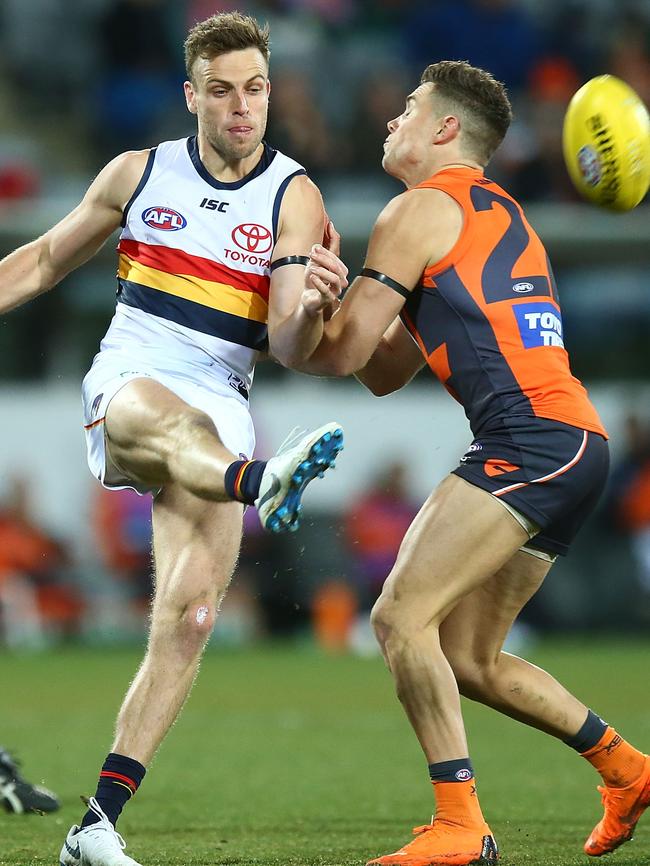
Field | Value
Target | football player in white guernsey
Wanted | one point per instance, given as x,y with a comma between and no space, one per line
216,231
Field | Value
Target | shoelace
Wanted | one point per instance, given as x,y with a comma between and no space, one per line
104,820
424,828
292,439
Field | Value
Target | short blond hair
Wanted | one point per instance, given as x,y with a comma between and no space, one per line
219,34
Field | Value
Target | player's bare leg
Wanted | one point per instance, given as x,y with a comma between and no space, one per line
195,550
459,539
155,437
472,637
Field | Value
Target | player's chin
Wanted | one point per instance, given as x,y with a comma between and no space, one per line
388,165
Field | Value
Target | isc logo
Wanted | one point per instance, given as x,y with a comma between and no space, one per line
539,325
163,218
214,204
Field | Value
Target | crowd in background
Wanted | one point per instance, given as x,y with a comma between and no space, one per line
82,80
96,77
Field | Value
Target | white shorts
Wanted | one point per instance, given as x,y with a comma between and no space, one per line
214,390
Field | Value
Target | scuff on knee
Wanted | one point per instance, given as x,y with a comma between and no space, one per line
202,614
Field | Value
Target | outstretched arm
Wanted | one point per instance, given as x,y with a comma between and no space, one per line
38,266
415,230
296,316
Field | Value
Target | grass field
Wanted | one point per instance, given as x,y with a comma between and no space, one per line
287,757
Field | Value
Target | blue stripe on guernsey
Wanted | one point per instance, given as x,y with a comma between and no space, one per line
192,315
278,200
140,186
449,315
497,280
268,155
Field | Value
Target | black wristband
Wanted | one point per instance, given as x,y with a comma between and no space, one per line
290,260
387,281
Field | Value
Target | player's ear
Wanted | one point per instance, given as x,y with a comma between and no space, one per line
447,128
190,97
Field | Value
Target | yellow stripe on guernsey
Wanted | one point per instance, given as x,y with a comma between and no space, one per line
217,296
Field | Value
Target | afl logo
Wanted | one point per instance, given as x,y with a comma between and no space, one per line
463,775
522,288
589,165
163,218
253,238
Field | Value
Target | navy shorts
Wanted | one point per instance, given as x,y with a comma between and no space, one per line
550,472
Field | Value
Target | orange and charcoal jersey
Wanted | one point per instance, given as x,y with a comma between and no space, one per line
487,317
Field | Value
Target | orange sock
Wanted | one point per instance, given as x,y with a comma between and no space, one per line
619,763
457,802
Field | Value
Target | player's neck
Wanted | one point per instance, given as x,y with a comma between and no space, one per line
418,174
227,171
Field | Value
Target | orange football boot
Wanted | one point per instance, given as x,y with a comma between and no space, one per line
444,843
623,808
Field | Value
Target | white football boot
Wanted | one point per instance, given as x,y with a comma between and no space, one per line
96,845
301,458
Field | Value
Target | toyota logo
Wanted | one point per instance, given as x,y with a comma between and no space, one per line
253,238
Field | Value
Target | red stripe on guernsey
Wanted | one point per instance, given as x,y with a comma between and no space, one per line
173,261
107,774
575,459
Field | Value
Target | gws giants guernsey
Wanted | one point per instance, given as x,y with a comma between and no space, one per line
194,261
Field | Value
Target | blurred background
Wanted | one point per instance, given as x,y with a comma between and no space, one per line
82,80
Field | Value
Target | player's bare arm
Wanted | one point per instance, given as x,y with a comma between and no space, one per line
394,362
38,266
295,313
415,230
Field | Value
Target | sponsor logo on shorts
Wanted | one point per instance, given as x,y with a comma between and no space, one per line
495,466
540,324
463,775
467,456
238,385
163,218
589,165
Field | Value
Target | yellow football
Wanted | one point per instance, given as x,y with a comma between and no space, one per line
606,143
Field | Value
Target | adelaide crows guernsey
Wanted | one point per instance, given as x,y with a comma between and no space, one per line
194,261
487,317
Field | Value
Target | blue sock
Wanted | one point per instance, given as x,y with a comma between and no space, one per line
589,734
119,779
459,770
242,480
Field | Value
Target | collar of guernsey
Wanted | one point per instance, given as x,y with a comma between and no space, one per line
195,255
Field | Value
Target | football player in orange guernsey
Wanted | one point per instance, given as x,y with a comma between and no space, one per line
456,278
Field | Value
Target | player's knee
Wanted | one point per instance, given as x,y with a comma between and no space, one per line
389,623
187,625
474,676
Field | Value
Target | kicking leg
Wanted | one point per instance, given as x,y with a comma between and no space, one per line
156,438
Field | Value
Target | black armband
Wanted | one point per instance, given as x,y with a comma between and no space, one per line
290,260
387,281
